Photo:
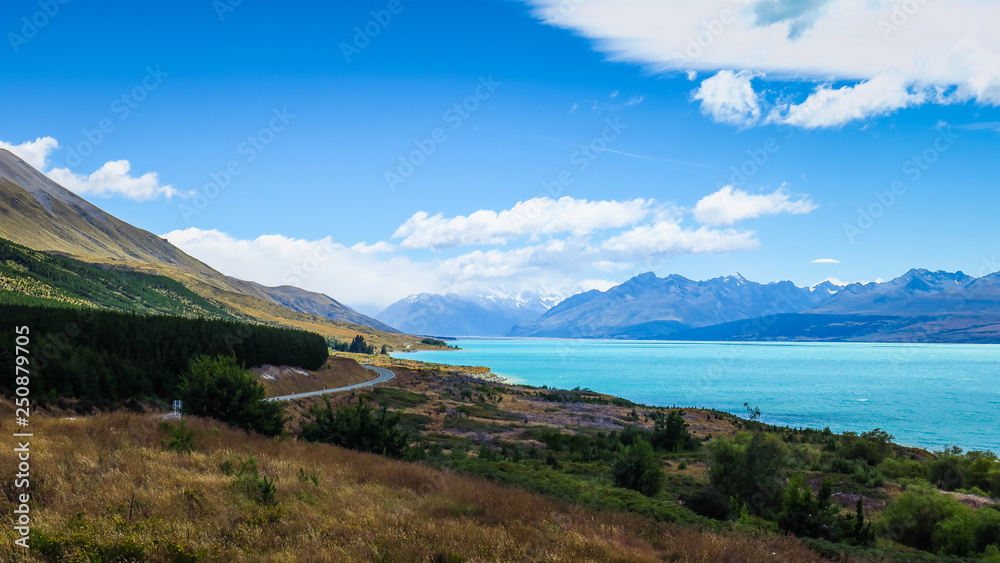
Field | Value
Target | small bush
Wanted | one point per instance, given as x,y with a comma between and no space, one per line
710,503
637,468
903,468
181,439
247,478
356,427
222,389
913,518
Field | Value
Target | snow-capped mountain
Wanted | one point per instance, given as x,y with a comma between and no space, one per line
490,314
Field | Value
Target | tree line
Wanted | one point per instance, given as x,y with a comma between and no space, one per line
104,358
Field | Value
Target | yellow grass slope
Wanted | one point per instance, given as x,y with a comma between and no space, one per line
106,483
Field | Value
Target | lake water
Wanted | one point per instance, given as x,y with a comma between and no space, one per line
926,395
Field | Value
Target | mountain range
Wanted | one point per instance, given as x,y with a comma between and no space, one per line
39,214
919,306
492,314
648,306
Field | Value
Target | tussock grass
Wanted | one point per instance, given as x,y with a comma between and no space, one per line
106,485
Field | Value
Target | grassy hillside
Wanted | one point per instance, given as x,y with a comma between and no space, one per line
31,277
108,490
37,278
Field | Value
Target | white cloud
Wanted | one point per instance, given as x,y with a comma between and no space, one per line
36,153
829,107
729,97
892,54
667,238
730,205
375,275
358,274
825,261
113,179
534,217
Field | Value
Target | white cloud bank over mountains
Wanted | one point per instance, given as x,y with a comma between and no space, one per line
539,243
114,178
891,54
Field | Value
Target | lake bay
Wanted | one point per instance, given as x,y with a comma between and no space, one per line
926,395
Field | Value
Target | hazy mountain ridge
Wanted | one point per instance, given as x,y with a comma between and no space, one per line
492,314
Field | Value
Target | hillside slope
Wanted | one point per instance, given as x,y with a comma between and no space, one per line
117,492
42,215
30,277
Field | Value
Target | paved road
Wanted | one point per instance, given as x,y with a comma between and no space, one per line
383,376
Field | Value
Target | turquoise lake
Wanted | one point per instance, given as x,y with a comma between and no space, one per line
926,395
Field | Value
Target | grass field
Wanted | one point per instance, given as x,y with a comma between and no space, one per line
105,488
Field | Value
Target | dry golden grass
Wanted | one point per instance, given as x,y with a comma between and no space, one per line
86,473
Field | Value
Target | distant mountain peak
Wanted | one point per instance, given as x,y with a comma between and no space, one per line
492,313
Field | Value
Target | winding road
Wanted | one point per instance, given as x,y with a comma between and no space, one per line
383,376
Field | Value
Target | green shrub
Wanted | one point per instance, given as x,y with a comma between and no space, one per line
247,478
637,468
986,532
308,477
356,427
181,439
222,389
870,447
913,519
805,515
670,433
946,472
748,468
903,468
710,503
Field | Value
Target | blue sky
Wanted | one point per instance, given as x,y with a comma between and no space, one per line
822,105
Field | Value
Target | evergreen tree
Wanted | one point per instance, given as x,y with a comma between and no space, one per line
638,468
222,389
